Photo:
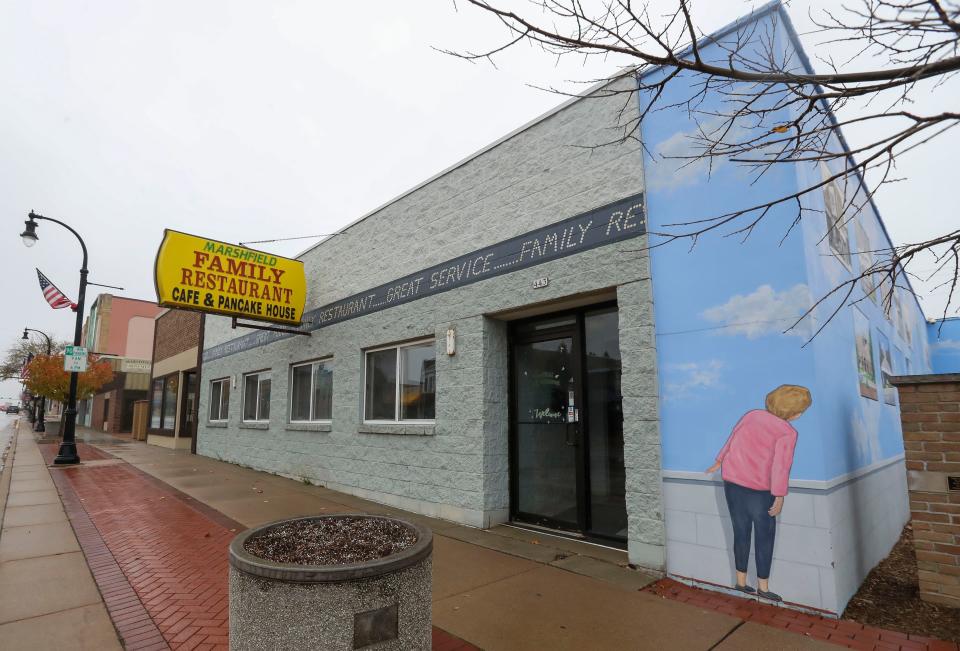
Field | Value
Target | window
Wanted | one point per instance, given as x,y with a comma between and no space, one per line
400,383
256,396
220,399
311,393
163,402
156,403
170,385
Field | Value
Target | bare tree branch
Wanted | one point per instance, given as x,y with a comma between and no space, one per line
773,109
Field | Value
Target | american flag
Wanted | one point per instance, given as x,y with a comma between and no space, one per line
54,296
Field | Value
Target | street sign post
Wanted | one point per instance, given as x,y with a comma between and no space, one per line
75,359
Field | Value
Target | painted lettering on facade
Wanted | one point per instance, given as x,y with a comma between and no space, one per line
620,220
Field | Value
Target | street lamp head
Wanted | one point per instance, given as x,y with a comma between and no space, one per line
25,334
29,236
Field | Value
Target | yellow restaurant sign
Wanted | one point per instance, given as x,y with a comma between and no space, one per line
196,273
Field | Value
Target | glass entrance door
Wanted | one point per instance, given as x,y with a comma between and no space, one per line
187,424
567,466
546,432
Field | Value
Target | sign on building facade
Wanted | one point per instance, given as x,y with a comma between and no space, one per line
129,365
614,222
196,273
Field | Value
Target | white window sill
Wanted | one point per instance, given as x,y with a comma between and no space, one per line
309,427
402,429
216,423
255,424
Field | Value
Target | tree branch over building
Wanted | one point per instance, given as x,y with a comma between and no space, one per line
769,108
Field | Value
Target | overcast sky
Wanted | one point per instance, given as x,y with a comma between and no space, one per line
248,120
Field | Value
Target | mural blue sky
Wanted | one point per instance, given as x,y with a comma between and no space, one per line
724,312
945,345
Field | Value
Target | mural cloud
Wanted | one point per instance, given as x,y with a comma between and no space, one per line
764,311
946,345
675,164
683,378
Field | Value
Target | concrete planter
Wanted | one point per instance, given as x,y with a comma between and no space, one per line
51,429
384,604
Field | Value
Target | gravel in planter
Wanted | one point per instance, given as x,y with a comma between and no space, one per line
331,541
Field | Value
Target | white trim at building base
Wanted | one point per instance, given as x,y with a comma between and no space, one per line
828,538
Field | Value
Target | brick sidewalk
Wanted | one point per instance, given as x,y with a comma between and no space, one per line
158,556
843,632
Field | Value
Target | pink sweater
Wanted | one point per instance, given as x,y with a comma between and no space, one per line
759,452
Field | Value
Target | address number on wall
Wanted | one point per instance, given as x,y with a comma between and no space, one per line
540,283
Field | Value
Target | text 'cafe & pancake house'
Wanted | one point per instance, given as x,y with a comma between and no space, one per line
193,272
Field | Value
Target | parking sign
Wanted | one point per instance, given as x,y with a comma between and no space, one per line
75,359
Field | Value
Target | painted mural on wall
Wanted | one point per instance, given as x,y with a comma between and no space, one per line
727,321
755,466
728,328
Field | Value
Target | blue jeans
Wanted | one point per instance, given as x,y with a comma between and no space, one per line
748,511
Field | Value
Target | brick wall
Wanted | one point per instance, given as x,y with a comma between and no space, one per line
176,331
930,411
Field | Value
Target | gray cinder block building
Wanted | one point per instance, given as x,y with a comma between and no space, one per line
499,345
528,256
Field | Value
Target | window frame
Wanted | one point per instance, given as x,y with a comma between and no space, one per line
243,399
162,428
223,417
159,404
311,363
396,385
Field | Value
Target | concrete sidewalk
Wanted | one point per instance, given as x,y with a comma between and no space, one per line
505,588
48,598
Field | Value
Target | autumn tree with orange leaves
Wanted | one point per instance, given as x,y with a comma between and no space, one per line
45,377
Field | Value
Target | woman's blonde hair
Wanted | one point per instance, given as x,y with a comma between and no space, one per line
788,401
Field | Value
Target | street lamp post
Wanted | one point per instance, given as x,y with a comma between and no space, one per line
40,425
31,417
68,446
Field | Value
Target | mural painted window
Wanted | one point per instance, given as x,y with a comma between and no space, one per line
885,294
866,366
220,399
834,204
256,396
865,257
311,393
886,369
400,383
902,319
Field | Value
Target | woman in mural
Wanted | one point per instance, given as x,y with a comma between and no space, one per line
755,464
